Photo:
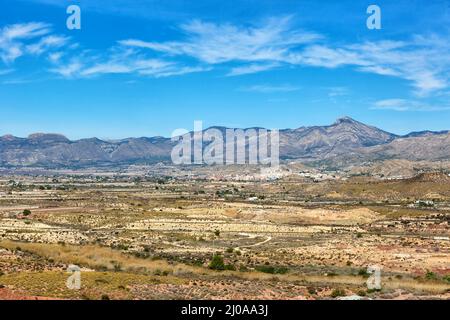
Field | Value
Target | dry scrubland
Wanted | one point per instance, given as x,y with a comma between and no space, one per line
138,238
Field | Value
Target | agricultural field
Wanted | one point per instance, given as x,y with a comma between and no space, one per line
166,238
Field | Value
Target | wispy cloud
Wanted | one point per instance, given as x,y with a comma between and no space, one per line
13,39
6,71
264,88
68,70
252,68
334,92
407,105
425,64
423,61
47,43
142,66
218,43
119,61
16,82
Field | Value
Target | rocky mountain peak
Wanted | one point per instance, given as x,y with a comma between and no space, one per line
344,120
47,137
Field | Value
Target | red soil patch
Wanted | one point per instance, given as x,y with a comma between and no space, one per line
7,294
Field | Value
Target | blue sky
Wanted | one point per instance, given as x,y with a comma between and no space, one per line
145,68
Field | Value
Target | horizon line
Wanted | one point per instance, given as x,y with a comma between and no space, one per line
29,136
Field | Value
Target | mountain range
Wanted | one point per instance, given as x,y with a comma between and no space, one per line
346,140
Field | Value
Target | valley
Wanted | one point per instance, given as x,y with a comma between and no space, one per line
143,237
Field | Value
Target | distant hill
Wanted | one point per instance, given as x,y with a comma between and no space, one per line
344,142
56,150
322,142
425,133
426,147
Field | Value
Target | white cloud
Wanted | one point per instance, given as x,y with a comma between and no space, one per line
46,43
252,68
34,38
270,88
119,61
322,56
13,37
407,105
149,66
218,43
178,71
424,64
384,71
55,57
334,92
25,31
69,70
16,82
6,71
421,60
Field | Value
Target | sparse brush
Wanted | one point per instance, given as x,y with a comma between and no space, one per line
337,293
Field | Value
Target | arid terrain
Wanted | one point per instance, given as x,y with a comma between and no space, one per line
296,236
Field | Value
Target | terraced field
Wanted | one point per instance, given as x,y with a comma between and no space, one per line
286,239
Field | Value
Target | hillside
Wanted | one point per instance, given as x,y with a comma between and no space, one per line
345,142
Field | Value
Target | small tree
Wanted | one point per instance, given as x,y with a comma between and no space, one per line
26,212
217,262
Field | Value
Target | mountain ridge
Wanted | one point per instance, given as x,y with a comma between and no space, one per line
344,140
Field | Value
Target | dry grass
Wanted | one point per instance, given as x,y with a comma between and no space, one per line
97,258
94,285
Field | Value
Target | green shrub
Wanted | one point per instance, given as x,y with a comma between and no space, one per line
363,273
312,291
217,263
431,276
26,212
338,293
230,267
362,293
272,269
243,268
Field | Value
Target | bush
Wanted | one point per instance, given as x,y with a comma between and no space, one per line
243,268
362,293
312,291
272,269
217,263
431,275
26,212
363,273
230,267
338,293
